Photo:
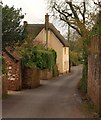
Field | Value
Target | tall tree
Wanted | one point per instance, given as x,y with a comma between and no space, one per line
77,14
12,30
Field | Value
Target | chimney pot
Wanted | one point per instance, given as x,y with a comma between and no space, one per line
46,18
25,23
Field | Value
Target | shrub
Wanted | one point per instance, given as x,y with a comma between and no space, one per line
55,71
36,56
44,59
83,81
74,58
2,66
40,58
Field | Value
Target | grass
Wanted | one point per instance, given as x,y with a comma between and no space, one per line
91,108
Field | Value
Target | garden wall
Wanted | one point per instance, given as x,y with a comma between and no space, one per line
31,78
45,74
94,71
13,64
4,85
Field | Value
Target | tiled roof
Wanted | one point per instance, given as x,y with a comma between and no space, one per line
35,29
13,53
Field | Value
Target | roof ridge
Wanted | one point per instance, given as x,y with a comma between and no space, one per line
37,30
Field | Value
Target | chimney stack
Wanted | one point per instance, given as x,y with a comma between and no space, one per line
25,23
46,19
46,28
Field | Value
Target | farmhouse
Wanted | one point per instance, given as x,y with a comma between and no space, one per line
50,37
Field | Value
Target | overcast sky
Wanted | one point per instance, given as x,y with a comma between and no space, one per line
35,9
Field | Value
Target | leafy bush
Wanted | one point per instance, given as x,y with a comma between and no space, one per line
2,66
42,59
83,81
36,56
74,58
55,71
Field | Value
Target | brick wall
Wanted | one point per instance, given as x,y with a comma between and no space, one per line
31,78
13,73
4,85
94,71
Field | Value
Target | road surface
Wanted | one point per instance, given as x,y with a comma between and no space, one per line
56,98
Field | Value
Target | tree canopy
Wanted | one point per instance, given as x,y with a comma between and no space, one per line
12,30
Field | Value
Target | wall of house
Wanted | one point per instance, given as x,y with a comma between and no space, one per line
94,71
53,42
13,73
66,59
41,38
58,47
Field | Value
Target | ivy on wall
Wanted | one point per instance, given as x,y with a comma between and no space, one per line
96,31
3,69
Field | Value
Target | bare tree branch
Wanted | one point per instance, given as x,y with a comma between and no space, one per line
69,23
98,3
72,9
75,15
84,11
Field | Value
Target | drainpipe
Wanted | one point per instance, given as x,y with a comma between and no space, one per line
46,28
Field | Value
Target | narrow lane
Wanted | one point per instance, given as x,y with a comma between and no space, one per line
57,98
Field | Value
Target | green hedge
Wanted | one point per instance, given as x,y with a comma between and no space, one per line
2,66
83,81
55,71
74,58
42,59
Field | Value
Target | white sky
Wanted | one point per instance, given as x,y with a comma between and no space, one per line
35,9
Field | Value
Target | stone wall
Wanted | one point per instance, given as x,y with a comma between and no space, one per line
14,78
45,74
4,85
31,78
94,71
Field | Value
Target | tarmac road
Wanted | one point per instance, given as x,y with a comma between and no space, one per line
56,98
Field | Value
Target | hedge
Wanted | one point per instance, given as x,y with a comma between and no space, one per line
74,58
42,59
2,66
